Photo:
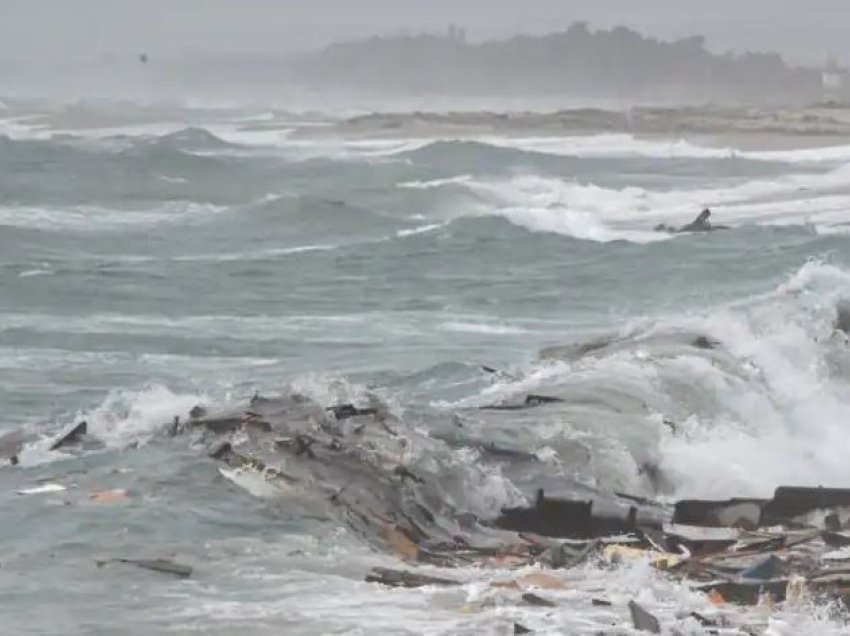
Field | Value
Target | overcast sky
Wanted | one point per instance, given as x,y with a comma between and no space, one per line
37,31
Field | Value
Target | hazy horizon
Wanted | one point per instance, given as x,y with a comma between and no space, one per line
53,31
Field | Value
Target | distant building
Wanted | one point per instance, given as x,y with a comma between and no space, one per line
834,80
456,34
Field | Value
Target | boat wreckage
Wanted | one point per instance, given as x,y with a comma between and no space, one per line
361,466
398,485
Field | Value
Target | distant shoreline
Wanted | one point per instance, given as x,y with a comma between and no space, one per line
739,127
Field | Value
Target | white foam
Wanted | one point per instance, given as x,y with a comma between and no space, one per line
487,329
128,416
84,218
625,145
591,212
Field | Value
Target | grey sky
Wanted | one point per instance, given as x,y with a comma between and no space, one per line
39,31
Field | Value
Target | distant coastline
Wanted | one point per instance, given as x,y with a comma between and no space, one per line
618,65
817,125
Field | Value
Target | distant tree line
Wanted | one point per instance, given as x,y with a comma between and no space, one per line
616,63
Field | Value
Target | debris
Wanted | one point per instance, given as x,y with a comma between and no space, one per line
643,620
70,437
166,566
842,318
44,488
542,580
401,543
660,560
530,401
716,597
733,513
746,592
589,549
796,590
835,539
771,568
223,424
537,400
400,578
598,602
197,412
566,518
117,495
537,601
702,342
347,411
789,502
702,620
521,629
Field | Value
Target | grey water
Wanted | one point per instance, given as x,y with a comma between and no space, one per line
145,270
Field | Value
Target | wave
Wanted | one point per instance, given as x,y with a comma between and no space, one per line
88,218
625,145
593,212
730,402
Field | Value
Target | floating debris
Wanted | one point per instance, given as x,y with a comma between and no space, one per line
400,578
43,489
166,566
643,620
117,495
70,437
537,601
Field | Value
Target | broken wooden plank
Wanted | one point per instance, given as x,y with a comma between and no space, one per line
71,436
166,566
401,578
537,601
643,620
731,513
745,592
791,501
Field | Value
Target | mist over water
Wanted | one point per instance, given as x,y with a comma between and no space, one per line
155,257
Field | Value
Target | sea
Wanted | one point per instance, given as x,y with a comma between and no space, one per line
156,257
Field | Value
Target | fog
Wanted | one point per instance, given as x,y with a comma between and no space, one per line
91,48
39,31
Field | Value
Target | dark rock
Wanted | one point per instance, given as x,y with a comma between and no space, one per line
643,620
70,437
537,601
400,578
197,412
599,602
521,629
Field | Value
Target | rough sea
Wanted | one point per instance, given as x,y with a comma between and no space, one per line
153,258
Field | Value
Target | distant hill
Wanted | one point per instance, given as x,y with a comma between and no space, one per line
580,63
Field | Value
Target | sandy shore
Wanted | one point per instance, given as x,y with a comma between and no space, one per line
744,128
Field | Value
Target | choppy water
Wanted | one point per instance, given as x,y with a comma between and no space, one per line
152,260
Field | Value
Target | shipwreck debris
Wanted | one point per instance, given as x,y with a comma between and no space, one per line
70,437
537,601
400,578
642,620
166,566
